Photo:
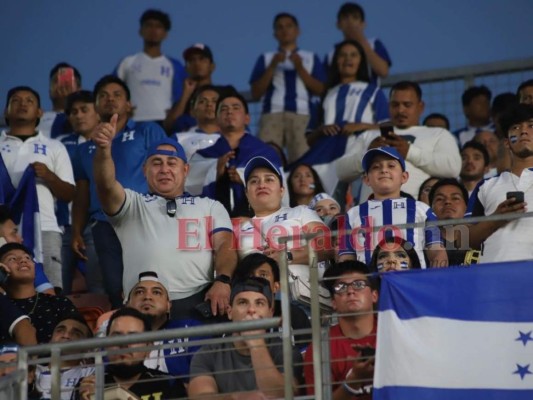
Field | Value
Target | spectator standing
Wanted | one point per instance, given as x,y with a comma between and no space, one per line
476,108
285,79
22,145
155,80
351,21
475,165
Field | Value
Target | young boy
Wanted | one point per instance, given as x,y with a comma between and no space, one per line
285,79
385,173
351,22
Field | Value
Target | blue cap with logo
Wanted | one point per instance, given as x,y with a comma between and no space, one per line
384,151
261,162
178,152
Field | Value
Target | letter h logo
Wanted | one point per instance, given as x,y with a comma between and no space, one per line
39,148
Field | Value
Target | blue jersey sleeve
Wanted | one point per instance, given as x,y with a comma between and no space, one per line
432,233
79,172
40,281
381,107
319,71
475,208
177,80
381,51
259,69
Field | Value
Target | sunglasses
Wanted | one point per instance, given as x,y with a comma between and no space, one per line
171,208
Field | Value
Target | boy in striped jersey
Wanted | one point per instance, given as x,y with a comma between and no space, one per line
285,79
385,173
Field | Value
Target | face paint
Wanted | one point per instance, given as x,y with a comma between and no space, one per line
403,266
513,139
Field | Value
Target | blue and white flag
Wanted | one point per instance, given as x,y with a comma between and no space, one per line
456,333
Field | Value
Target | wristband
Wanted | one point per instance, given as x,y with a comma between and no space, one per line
352,391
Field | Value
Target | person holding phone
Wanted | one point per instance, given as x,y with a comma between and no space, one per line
353,340
64,80
509,192
427,151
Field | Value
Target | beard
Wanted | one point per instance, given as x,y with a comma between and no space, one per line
524,153
125,371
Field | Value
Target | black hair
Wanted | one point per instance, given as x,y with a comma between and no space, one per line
230,91
438,116
249,264
17,89
523,85
5,214
158,16
130,312
284,15
408,247
407,85
6,248
202,89
81,96
319,188
473,144
362,71
336,270
56,68
76,316
502,102
422,186
515,114
106,80
472,92
351,9
448,182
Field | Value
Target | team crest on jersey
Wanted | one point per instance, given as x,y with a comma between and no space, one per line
127,136
149,197
355,92
6,148
398,204
281,217
39,148
92,148
187,200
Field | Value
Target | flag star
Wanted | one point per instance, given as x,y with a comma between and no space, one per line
524,337
522,371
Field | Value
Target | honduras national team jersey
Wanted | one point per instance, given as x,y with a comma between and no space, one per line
355,102
128,151
374,213
287,91
155,83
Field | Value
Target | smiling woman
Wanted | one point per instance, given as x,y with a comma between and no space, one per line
271,221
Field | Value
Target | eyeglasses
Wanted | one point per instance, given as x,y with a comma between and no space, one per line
342,287
171,208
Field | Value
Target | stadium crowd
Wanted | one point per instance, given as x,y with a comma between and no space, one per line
153,193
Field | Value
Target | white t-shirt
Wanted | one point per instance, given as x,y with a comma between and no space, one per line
17,155
514,241
69,379
260,231
177,248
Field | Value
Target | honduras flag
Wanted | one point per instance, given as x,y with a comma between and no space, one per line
456,333
24,206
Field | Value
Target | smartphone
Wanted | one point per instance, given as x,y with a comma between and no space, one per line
204,309
367,351
518,196
386,130
65,77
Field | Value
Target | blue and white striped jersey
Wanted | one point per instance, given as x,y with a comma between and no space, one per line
287,91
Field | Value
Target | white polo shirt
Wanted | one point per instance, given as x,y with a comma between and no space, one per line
18,154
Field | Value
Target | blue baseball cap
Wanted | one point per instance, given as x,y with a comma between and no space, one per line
261,162
179,152
385,151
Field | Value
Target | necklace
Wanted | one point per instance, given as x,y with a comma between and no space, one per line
35,305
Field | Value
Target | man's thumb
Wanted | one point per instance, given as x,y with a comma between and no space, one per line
113,121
